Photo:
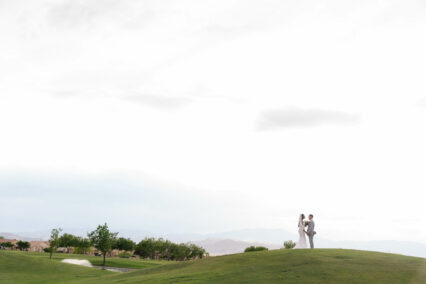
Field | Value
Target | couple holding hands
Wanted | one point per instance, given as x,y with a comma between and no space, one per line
306,228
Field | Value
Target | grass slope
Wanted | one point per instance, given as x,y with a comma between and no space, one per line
279,266
25,268
287,266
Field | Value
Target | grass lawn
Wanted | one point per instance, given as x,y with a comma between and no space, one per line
33,267
97,260
278,266
17,267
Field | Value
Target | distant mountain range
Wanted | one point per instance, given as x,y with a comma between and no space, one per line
18,237
236,241
228,246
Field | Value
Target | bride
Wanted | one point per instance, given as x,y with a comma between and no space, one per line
302,237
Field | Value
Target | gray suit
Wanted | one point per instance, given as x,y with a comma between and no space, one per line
311,232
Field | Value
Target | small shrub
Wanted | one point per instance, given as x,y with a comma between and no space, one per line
253,248
125,254
249,249
261,248
289,244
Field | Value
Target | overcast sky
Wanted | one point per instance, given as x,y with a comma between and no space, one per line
205,116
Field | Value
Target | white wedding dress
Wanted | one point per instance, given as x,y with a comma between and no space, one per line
301,243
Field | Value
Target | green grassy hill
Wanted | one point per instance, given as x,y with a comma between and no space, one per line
279,266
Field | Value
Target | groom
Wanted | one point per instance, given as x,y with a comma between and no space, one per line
310,232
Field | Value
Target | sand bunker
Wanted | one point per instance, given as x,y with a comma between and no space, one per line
83,262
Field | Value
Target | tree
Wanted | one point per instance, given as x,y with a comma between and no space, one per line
21,245
102,239
124,244
68,240
54,240
7,245
1,238
145,248
182,252
196,252
82,245
160,248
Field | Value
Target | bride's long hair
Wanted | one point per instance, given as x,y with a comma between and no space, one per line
301,217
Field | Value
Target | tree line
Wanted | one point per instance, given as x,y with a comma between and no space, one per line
164,249
21,245
105,241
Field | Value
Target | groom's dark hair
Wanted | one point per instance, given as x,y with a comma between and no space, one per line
311,215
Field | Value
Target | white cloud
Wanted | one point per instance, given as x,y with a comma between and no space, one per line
296,117
158,101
